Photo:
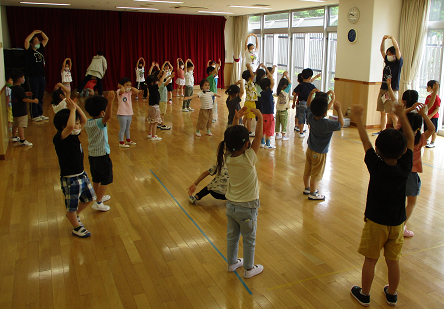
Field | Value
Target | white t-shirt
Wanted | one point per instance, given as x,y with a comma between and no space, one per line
283,102
242,184
206,99
57,108
140,75
189,79
168,74
66,76
252,59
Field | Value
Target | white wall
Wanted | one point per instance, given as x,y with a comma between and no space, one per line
229,40
362,60
5,29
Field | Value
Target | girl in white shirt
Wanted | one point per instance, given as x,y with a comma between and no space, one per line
239,155
66,73
140,77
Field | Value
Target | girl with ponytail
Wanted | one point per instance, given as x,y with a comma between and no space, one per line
239,155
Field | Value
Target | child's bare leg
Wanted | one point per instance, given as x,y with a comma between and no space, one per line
82,206
170,95
181,90
395,120
249,124
162,117
433,137
313,186
21,132
411,203
301,127
153,129
368,273
72,217
394,275
306,181
100,190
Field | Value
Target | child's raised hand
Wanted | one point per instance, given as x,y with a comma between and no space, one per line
29,94
436,86
111,95
389,82
421,109
256,112
240,113
239,82
398,109
71,105
191,189
337,106
356,111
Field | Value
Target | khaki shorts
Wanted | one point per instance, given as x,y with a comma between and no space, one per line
205,119
314,164
388,105
21,122
163,107
376,236
250,104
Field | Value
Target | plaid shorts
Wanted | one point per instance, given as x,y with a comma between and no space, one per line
77,188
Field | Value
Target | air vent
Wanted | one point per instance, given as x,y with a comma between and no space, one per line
186,7
262,5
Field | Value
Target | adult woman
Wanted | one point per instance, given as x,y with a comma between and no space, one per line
251,52
35,70
97,68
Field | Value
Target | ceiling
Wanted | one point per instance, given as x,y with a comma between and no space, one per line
197,5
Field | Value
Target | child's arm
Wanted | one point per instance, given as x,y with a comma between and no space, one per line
45,38
31,101
414,106
251,71
216,95
356,113
310,96
433,96
390,90
109,107
270,77
63,65
29,37
219,65
153,64
70,124
135,90
427,122
241,86
294,94
315,77
122,89
178,66
396,46
191,61
169,78
337,107
70,63
382,48
191,97
406,128
259,130
257,42
192,188
208,63
246,40
333,98
66,90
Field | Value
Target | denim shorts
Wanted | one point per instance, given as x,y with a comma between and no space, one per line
77,188
413,185
302,112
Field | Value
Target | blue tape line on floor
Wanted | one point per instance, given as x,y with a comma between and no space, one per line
203,233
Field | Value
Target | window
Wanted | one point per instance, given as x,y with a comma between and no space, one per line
308,18
333,15
436,10
315,53
279,20
254,22
331,60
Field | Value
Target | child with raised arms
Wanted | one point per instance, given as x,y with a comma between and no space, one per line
283,90
125,110
234,93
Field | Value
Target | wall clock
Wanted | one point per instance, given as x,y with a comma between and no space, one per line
353,15
352,36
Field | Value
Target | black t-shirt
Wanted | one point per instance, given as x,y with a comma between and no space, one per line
392,69
18,106
154,98
386,189
267,101
35,61
233,105
70,154
303,90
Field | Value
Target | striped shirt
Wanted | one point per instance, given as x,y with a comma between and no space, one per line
206,99
97,138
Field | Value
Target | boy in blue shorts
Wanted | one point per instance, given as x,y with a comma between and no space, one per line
100,163
389,165
75,183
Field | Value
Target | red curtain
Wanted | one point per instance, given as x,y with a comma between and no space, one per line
122,36
75,34
161,37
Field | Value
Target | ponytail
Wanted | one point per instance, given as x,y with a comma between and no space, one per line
220,157
415,120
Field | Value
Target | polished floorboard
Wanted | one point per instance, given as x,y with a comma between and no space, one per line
154,249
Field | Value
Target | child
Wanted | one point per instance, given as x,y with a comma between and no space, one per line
239,155
100,109
321,131
59,97
168,68
163,101
389,167
214,64
89,87
9,84
234,98
433,107
212,73
302,91
267,85
180,80
74,181
260,73
19,108
153,101
206,108
217,187
296,105
251,97
140,77
189,84
283,90
66,74
125,110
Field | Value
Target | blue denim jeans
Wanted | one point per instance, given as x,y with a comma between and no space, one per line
241,220
37,85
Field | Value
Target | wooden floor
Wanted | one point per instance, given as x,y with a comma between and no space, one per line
154,249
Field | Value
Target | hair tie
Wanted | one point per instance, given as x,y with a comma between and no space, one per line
419,129
243,140
234,149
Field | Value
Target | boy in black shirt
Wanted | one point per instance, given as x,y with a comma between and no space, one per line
302,91
75,184
389,167
19,107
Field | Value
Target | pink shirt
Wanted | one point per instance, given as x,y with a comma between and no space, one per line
125,105
180,73
417,162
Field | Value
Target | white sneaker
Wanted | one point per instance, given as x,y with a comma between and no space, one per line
256,270
156,138
285,138
270,147
15,139
236,265
149,136
190,109
316,196
101,206
106,198
278,136
82,232
131,143
37,119
193,199
137,98
262,145
252,134
26,143
123,146
301,135
184,110
44,117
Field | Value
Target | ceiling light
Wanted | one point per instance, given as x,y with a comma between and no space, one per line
132,8
249,7
44,3
159,1
313,0
210,12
